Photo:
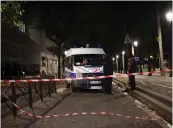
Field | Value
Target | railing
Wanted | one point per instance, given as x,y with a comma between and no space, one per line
28,90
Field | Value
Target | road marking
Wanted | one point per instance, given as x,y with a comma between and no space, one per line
61,90
142,82
161,85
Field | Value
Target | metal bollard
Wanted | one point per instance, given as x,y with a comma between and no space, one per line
30,95
41,91
14,110
132,82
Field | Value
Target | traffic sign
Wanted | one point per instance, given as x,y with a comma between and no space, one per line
127,39
137,58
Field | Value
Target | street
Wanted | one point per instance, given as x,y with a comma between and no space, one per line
51,49
159,84
89,101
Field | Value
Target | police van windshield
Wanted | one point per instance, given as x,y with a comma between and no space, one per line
92,59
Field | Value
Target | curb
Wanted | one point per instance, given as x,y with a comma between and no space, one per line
160,103
163,99
162,109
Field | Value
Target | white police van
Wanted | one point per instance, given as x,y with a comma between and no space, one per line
84,62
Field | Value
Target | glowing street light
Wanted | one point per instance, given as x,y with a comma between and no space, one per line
65,52
123,52
169,16
117,62
113,58
135,43
117,56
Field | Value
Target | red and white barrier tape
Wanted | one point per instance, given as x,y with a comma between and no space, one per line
82,78
77,114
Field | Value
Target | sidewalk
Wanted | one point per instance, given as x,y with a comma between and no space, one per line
39,108
156,73
159,84
118,103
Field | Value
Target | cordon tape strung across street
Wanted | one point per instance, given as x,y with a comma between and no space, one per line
82,78
78,114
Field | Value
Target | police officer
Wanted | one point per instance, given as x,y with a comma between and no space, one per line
131,69
108,70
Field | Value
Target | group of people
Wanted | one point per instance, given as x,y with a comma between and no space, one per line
108,70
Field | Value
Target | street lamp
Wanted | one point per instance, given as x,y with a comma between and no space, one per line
117,56
65,52
135,53
135,43
123,52
169,16
113,58
117,62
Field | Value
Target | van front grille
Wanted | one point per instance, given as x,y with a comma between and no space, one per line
91,74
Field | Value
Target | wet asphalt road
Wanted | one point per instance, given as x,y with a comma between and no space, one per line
89,101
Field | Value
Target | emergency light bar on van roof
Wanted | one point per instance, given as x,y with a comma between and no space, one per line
99,46
82,51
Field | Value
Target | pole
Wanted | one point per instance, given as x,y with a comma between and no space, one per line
14,110
123,63
30,95
160,43
159,64
117,65
133,51
59,61
47,64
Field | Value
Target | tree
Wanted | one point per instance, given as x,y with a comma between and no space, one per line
11,12
54,20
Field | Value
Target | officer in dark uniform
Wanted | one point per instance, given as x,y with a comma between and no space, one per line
108,70
132,68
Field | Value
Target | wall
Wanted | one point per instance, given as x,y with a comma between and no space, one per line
48,62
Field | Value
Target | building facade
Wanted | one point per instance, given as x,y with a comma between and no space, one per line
47,60
29,47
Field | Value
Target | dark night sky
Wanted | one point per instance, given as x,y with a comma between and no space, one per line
108,22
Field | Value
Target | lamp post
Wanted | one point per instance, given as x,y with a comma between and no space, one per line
135,43
169,16
113,59
135,53
65,52
117,62
123,52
